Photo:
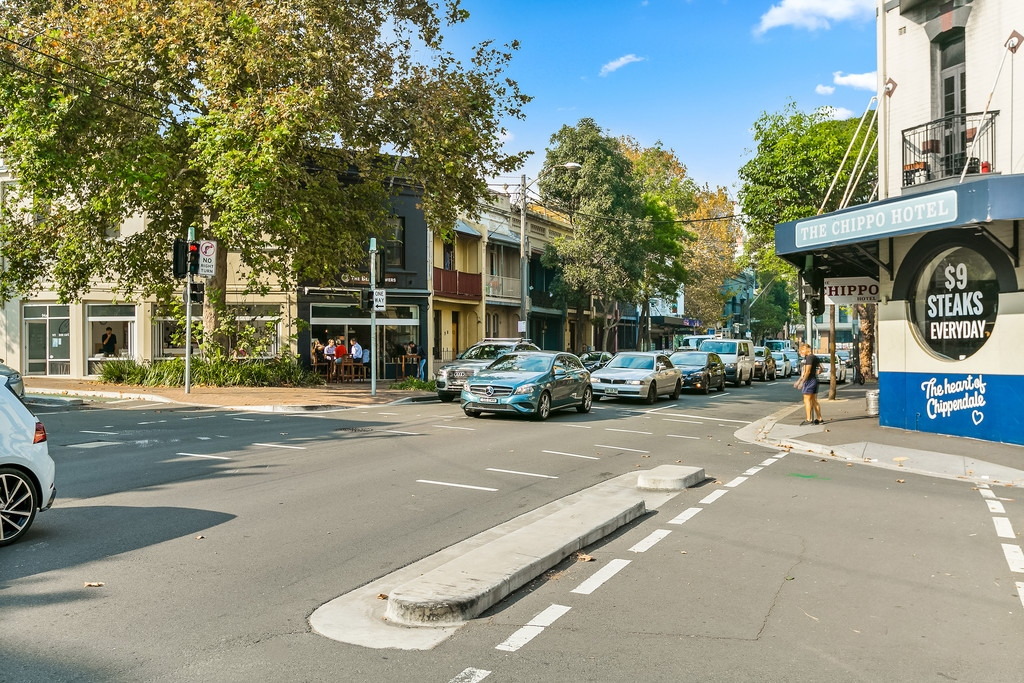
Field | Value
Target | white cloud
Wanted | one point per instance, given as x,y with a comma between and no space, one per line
837,113
824,89
506,136
814,14
868,81
617,64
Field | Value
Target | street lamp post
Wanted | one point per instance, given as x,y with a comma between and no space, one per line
524,261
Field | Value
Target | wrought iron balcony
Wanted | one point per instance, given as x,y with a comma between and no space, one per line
503,287
455,283
939,149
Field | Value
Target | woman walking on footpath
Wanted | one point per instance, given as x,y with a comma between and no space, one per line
810,366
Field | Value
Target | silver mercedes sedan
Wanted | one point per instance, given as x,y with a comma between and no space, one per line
637,374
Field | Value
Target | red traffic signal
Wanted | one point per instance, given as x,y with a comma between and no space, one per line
193,257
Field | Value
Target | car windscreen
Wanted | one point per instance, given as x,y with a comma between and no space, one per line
486,351
719,347
759,353
518,363
632,362
591,356
689,360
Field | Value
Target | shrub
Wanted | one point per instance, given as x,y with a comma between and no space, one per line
221,372
413,383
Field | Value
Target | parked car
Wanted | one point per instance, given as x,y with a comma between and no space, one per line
451,377
826,370
779,345
738,356
701,370
26,469
595,360
844,355
693,341
793,357
783,364
529,383
764,365
638,374
12,378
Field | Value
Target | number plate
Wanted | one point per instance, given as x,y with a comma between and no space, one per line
611,391
487,399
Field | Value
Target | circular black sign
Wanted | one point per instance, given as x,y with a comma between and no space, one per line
955,303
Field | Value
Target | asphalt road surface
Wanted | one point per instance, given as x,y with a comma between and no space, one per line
215,534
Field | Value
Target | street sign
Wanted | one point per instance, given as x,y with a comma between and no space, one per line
207,258
380,302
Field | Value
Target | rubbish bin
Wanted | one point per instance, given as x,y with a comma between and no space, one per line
871,398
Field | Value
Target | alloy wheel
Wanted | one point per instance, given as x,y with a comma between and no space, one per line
17,505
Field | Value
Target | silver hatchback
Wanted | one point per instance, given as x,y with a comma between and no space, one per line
12,378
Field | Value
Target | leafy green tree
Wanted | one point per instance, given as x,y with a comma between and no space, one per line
604,256
711,258
275,128
770,312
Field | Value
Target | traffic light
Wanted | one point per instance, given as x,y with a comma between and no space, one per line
180,258
366,300
379,268
193,257
198,290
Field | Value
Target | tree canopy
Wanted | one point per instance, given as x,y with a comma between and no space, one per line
276,128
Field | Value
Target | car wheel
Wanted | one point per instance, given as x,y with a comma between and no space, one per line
446,398
721,385
652,394
707,384
17,505
750,378
471,413
678,390
544,406
587,402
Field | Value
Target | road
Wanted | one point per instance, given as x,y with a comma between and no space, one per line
216,534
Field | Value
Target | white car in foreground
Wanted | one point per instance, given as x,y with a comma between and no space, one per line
26,469
637,374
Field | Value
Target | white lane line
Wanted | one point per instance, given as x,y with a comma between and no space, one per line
203,417
752,471
94,444
465,429
533,629
649,542
982,486
572,455
460,486
987,493
152,422
736,482
209,457
685,515
767,462
1014,557
89,431
395,431
576,426
525,474
627,431
620,448
204,438
672,419
682,436
1003,527
996,507
243,419
123,400
714,419
779,456
713,496
280,445
1020,591
471,675
387,413
600,576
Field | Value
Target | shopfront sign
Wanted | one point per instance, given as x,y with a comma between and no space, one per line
846,291
872,222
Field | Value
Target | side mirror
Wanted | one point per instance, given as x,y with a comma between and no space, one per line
560,373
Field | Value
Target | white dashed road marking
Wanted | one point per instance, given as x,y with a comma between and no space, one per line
533,628
600,576
1003,527
682,436
280,445
736,482
752,471
996,507
767,462
620,448
627,431
395,431
715,419
685,516
471,675
1014,557
1020,591
89,431
649,542
460,486
525,474
571,455
465,429
209,457
713,496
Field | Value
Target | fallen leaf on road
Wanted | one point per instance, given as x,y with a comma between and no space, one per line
200,537
812,617
901,481
823,460
645,456
849,464
93,584
382,596
581,557
678,460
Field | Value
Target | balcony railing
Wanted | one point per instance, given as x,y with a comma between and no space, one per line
497,286
939,149
457,284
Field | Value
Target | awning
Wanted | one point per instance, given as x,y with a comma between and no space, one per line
504,235
465,228
847,240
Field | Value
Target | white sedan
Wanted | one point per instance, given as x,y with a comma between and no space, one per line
783,366
826,369
637,374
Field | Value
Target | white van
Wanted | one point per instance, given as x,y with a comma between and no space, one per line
693,341
738,356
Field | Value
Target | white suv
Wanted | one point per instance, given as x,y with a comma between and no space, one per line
26,469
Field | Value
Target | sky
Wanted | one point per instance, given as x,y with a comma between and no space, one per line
692,74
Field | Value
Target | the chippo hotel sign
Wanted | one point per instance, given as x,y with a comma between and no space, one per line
953,305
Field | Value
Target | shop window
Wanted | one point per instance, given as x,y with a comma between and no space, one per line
256,331
954,303
110,331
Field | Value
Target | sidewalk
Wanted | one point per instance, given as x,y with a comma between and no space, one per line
266,399
848,433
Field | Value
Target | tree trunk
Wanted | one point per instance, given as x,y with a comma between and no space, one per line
866,314
645,325
214,303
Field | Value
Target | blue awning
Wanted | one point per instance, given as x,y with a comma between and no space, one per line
503,235
465,228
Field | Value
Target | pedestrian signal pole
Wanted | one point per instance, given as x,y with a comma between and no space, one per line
373,316
193,258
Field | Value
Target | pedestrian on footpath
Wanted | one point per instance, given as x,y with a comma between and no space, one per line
810,366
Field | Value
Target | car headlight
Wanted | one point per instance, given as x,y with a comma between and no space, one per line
441,373
525,389
634,381
731,366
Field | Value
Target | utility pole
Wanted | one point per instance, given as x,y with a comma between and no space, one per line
188,314
373,316
524,266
